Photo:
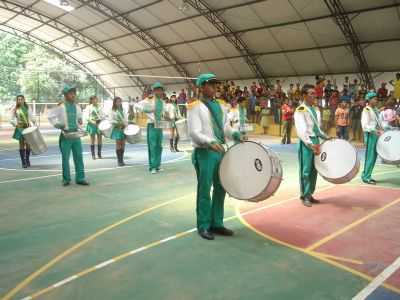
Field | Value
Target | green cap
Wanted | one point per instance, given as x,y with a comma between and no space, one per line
203,78
370,95
68,88
157,85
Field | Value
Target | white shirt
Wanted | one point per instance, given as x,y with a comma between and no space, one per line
16,118
58,116
304,122
115,117
200,124
148,106
369,120
91,114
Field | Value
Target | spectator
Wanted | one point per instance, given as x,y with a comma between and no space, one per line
291,92
333,104
342,121
355,119
396,85
388,116
287,119
329,88
326,119
182,99
353,89
264,119
346,97
383,92
319,90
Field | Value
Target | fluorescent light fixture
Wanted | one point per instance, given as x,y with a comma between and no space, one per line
63,4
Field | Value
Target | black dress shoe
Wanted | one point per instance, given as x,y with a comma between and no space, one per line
315,201
222,231
307,201
83,182
206,234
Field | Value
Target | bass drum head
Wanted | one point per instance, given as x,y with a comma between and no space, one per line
245,170
29,130
104,125
388,146
132,129
337,160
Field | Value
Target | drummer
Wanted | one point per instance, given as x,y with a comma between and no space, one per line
70,120
372,128
307,121
119,121
21,118
154,107
208,127
95,116
174,115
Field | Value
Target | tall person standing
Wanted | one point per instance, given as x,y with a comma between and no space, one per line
119,121
209,126
95,115
307,121
372,128
68,117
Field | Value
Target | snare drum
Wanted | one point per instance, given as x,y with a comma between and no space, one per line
182,128
162,124
338,161
250,171
74,134
106,128
133,134
388,147
35,140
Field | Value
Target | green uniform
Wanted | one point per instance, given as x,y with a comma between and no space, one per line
155,138
118,132
22,116
210,210
370,141
74,145
308,173
92,127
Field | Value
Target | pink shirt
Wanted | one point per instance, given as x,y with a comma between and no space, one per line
389,115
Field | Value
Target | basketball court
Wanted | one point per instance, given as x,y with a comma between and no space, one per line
131,234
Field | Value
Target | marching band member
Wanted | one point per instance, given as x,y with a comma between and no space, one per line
21,118
119,122
209,126
154,108
68,117
372,128
174,115
307,121
95,115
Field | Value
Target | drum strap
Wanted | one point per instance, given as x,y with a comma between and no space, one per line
215,122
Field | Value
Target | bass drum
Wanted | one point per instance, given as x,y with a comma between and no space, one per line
106,128
250,171
338,161
35,140
388,147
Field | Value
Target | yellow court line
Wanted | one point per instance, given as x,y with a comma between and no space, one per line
313,254
351,226
352,261
75,247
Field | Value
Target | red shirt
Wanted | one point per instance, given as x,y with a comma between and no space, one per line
287,112
319,90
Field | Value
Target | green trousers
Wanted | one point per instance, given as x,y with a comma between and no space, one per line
210,210
154,146
308,173
370,140
66,146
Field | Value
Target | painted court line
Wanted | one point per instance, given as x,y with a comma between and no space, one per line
79,245
127,254
377,282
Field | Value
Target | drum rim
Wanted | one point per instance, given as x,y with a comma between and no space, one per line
219,169
378,149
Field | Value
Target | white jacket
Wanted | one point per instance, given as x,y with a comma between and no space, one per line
15,117
200,124
370,120
92,116
304,123
115,118
173,113
58,116
148,106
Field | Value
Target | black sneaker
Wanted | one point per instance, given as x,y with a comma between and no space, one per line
307,201
206,234
222,231
83,183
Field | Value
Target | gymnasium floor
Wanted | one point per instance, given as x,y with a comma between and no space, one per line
130,235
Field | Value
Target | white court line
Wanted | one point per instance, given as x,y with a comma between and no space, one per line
183,158
378,281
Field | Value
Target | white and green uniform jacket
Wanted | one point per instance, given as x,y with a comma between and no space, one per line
370,120
118,118
94,114
305,122
173,111
18,117
148,106
200,124
58,116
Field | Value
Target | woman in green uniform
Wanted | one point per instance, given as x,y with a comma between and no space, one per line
21,119
95,116
119,121
174,115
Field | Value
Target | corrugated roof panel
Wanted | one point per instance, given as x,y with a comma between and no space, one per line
275,65
47,33
86,54
340,59
103,67
307,62
241,18
260,41
293,36
23,23
125,44
383,56
5,15
166,35
326,32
